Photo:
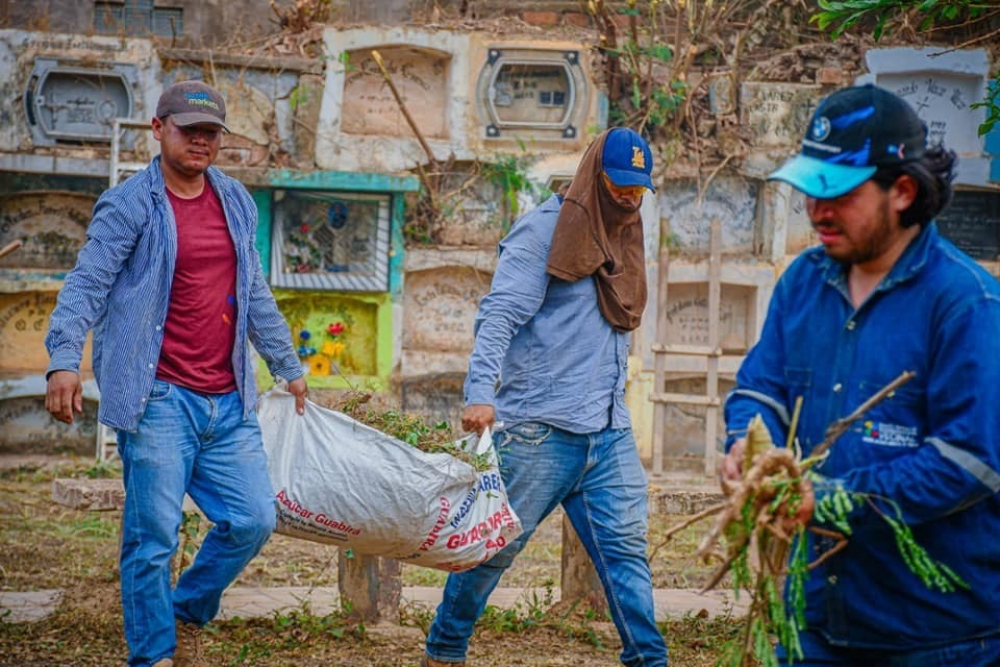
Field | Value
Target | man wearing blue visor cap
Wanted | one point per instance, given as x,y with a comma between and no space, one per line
885,293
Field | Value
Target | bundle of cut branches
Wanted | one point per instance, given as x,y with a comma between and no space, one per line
759,534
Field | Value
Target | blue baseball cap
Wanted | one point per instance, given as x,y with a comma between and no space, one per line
626,158
853,132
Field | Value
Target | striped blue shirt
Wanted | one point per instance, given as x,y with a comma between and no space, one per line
120,287
556,358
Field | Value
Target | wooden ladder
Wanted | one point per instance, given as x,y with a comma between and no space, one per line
712,353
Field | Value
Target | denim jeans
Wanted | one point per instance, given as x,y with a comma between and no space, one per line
817,652
601,484
200,445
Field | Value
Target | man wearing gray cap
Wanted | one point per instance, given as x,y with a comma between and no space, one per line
171,283
885,293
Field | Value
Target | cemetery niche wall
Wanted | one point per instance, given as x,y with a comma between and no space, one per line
52,225
62,94
943,88
331,244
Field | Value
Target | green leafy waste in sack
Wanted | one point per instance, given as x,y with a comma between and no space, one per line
409,428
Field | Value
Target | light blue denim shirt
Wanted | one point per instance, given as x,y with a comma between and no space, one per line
121,283
544,340
932,446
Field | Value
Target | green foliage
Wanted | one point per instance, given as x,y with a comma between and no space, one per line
839,16
410,428
834,509
91,527
992,106
298,96
508,174
105,469
260,639
844,14
190,539
772,615
933,574
649,104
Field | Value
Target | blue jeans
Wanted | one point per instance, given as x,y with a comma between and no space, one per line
200,445
817,652
601,484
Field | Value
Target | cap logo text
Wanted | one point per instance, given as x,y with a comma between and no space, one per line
638,158
201,100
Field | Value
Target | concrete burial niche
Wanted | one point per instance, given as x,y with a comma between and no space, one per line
941,86
443,289
532,95
25,425
686,423
52,226
440,306
777,115
24,319
730,199
336,335
419,75
436,398
331,240
63,91
76,103
361,125
687,316
27,428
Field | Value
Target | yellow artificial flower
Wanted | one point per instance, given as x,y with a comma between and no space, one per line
319,365
333,348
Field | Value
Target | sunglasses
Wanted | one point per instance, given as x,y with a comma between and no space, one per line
631,191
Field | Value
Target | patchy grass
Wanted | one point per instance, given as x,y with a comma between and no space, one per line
51,546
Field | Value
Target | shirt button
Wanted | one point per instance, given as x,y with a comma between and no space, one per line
158,327
142,400
832,579
850,325
151,365
837,387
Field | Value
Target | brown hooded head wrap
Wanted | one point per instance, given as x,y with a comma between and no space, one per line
596,236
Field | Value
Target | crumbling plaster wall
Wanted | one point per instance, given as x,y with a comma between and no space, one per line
763,224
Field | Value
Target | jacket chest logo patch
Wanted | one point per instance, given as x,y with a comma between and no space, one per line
889,435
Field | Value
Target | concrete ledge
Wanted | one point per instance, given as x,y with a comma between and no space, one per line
683,502
108,494
247,602
28,607
89,494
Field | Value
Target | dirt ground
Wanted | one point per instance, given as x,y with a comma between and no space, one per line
49,546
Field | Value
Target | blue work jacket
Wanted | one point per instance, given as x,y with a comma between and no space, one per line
933,447
543,350
120,287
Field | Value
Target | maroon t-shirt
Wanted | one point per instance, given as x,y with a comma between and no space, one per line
201,320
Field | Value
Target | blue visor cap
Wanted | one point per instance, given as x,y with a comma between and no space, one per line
627,159
820,179
853,132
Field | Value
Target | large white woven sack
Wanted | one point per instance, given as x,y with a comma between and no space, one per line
341,482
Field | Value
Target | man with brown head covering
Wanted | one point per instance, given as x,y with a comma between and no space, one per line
548,374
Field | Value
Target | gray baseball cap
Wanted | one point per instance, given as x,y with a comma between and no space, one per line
192,102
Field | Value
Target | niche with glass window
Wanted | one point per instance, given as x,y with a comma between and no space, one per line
76,103
330,241
522,89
